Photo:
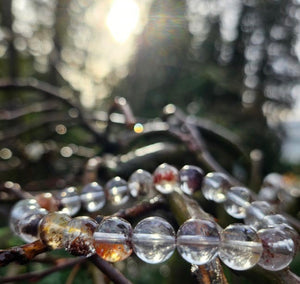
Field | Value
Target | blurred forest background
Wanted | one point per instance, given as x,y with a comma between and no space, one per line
230,63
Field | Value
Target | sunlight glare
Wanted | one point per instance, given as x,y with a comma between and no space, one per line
122,19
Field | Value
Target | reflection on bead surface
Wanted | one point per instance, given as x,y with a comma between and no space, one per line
237,201
198,241
69,201
240,247
215,185
117,191
20,210
191,178
112,239
153,240
28,227
140,183
256,212
273,220
78,236
166,178
278,249
93,197
51,229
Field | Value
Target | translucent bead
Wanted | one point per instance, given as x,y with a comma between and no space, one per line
268,193
278,249
240,247
78,236
22,209
69,201
237,201
256,212
153,240
274,180
166,178
47,201
117,191
191,178
112,239
215,185
198,241
93,197
28,226
51,229
140,183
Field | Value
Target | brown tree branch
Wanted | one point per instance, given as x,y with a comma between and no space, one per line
37,275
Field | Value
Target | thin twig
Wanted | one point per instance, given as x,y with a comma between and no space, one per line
112,273
37,275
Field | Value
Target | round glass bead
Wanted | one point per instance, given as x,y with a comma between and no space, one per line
191,178
112,239
278,249
28,226
274,180
78,236
93,197
20,210
215,185
198,241
69,201
140,183
240,247
166,178
268,193
256,212
51,229
237,200
48,201
117,191
153,240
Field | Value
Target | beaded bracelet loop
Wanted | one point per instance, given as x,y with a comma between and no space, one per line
264,239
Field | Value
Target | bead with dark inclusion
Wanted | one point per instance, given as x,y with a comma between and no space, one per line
191,178
117,191
140,183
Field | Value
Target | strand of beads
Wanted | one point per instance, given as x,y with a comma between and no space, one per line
153,240
278,238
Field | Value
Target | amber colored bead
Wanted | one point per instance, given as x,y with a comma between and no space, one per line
51,229
78,236
47,201
112,239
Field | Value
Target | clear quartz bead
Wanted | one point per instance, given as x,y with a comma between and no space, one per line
237,200
278,249
51,229
78,236
117,191
112,239
153,240
93,197
20,210
191,178
28,226
140,183
69,201
198,241
215,185
166,178
256,212
240,247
